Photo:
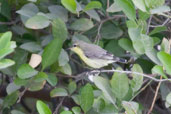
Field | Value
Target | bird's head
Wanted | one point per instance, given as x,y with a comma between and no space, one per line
76,47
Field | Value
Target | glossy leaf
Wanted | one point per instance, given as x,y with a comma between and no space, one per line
57,92
26,71
42,108
70,5
66,112
5,40
165,45
4,63
12,87
76,110
114,8
140,4
31,47
130,107
92,5
119,84
126,44
36,86
165,58
158,70
52,79
168,100
72,87
63,58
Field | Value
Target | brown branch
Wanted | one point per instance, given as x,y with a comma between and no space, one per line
155,97
58,106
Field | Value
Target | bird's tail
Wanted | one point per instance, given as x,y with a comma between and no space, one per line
121,60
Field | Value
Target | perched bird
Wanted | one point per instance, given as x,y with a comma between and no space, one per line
93,55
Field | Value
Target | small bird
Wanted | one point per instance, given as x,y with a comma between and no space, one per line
93,55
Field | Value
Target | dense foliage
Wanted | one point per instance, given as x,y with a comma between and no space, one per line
39,75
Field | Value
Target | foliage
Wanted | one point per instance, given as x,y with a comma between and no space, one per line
38,74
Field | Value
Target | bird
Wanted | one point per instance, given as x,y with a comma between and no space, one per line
93,55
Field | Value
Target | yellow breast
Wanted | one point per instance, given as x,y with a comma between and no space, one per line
94,63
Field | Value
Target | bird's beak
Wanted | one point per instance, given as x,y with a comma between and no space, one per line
69,48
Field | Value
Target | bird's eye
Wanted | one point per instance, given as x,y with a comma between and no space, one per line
75,45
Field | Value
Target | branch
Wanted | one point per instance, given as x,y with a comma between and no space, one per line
148,26
130,72
164,23
155,96
58,106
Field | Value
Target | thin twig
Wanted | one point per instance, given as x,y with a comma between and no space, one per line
148,26
21,95
155,96
59,105
108,3
130,72
164,23
9,23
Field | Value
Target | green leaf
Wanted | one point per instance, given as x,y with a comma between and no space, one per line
140,4
26,71
103,85
165,45
127,8
42,108
159,70
5,40
168,100
4,63
126,44
160,10
16,112
59,30
31,47
93,14
57,92
70,5
76,110
66,69
41,76
5,51
52,79
119,84
21,82
10,99
92,5
12,87
72,87
5,9
130,107
114,8
137,80
110,31
37,22
36,86
154,3
147,42
63,58
66,112
158,30
53,49
87,97
58,11
165,58
82,24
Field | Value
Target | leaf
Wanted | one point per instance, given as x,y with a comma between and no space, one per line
110,31
93,14
147,42
140,4
36,86
66,69
5,51
59,12
158,30
165,45
165,58
42,108
37,22
5,40
119,84
168,100
114,8
137,80
159,70
126,44
63,58
57,92
26,71
127,8
12,87
76,110
103,85
10,99
72,87
70,5
31,47
16,112
5,9
52,79
130,107
41,76
87,97
82,24
160,10
66,112
4,63
92,5
35,60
